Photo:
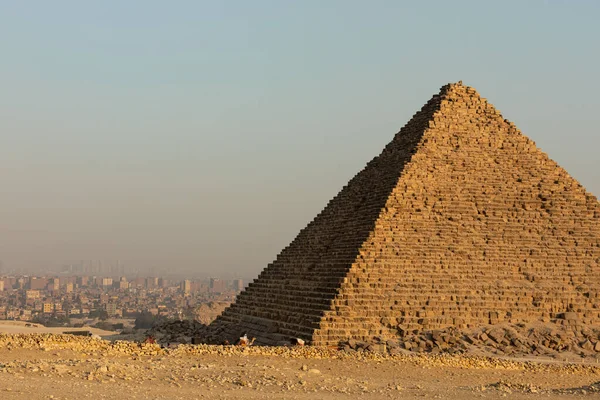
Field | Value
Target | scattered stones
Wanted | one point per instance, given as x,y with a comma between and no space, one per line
507,340
259,368
179,332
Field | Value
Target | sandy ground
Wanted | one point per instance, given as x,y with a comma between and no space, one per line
13,327
67,373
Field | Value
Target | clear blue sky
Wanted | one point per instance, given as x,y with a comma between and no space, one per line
204,135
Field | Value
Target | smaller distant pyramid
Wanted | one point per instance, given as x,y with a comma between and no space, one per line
460,221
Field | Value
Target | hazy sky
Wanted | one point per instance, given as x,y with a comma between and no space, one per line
204,135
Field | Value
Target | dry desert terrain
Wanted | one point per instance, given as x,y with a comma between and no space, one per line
45,366
15,327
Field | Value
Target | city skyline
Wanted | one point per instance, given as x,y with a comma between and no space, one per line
112,268
84,297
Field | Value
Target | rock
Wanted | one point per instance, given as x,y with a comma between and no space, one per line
497,335
569,316
587,345
314,371
471,339
381,348
102,369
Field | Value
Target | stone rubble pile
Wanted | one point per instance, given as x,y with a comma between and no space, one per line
98,367
516,340
104,360
174,332
507,387
50,342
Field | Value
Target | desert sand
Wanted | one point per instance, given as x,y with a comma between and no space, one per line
68,367
14,327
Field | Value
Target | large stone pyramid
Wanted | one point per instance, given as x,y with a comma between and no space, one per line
460,221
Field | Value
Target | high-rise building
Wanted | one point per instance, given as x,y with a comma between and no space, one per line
217,285
83,281
151,283
238,285
163,283
186,286
37,283
21,283
123,284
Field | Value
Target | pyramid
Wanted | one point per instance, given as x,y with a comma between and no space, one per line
460,221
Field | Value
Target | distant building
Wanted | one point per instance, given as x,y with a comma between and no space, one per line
83,281
217,285
238,285
201,287
111,309
25,315
20,283
186,286
48,308
140,282
32,294
151,283
69,287
163,283
38,283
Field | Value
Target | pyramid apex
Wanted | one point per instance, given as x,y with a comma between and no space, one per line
458,84
458,89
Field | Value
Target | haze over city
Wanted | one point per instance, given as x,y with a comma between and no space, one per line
203,136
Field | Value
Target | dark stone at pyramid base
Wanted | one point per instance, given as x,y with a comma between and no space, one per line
562,339
556,340
461,221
